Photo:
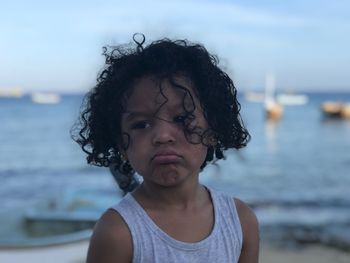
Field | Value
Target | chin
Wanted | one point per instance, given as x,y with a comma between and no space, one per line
166,176
169,178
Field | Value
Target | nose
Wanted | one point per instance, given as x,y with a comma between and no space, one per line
164,132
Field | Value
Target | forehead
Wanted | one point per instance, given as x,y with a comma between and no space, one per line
148,93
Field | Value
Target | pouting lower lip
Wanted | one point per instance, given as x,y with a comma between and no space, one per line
166,158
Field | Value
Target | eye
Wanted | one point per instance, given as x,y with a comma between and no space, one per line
141,125
180,119
185,119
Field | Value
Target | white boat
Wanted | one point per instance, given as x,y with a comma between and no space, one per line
45,98
254,96
292,99
287,99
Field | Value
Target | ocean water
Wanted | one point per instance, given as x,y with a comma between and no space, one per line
294,172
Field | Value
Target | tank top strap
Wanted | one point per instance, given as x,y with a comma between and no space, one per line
227,212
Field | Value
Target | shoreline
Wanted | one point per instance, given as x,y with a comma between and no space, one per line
269,253
311,253
63,253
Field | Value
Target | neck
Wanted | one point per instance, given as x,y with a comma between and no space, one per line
178,197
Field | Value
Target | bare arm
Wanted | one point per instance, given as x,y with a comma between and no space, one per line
111,240
250,229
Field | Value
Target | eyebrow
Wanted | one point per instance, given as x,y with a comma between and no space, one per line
131,115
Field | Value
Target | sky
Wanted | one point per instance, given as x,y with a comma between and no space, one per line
57,45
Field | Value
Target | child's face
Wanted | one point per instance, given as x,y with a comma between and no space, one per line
157,148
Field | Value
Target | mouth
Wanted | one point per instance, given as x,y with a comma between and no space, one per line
168,157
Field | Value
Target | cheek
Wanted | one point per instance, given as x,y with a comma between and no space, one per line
135,162
137,154
200,153
130,138
138,142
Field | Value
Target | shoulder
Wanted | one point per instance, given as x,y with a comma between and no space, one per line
250,229
245,214
111,240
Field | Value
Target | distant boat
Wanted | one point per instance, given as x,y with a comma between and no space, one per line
273,109
336,109
254,96
11,93
45,98
287,99
292,99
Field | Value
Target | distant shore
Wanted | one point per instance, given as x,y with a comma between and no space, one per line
269,253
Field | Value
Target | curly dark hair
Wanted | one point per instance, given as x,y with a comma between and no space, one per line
98,130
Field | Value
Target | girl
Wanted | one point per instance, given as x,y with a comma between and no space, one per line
165,110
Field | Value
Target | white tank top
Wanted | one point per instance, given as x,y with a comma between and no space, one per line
153,245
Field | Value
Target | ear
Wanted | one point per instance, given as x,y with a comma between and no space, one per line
123,155
122,146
